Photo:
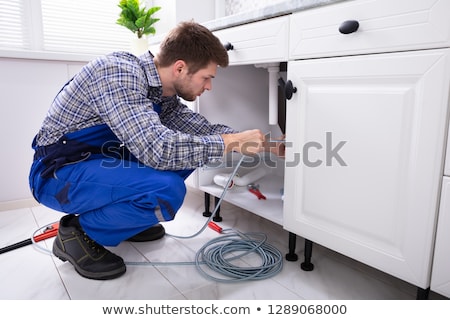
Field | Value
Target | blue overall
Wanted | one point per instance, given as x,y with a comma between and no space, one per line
89,173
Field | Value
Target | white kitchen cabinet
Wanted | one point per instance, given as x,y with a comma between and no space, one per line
375,199
367,124
440,280
447,159
240,99
384,26
258,42
365,131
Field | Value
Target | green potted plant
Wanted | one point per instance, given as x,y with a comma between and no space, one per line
139,20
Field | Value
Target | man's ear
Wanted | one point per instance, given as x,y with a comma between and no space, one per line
178,67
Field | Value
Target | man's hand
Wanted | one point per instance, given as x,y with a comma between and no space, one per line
245,142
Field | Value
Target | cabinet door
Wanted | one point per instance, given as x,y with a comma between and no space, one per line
364,167
440,277
447,157
259,42
384,25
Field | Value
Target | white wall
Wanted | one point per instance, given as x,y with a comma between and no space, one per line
27,87
174,11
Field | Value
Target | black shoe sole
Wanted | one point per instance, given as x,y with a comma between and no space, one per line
107,275
153,233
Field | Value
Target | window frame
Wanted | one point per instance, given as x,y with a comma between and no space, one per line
35,47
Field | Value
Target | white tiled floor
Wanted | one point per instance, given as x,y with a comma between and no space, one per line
27,273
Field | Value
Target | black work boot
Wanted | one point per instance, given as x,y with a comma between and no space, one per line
90,259
153,233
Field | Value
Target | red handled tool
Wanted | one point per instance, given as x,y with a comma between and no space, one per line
49,232
253,188
215,227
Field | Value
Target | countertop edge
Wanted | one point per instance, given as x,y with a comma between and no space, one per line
272,11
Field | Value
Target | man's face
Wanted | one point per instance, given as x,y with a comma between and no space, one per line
191,86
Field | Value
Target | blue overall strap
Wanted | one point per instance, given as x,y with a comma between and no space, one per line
78,146
157,108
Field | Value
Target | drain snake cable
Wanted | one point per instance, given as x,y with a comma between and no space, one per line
219,253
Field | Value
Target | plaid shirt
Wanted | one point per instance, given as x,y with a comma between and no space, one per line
122,91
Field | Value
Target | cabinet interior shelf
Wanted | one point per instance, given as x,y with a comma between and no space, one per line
271,187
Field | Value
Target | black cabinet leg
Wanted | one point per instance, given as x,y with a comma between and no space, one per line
291,255
207,213
217,217
422,294
307,265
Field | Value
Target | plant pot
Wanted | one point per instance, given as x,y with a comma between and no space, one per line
139,46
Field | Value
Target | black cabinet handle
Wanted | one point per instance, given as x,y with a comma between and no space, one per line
289,90
349,26
228,46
